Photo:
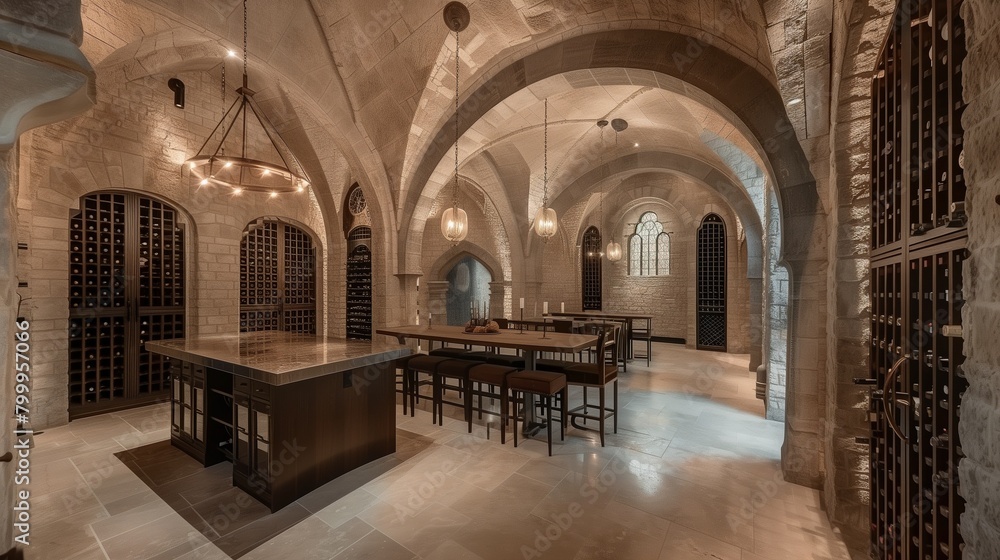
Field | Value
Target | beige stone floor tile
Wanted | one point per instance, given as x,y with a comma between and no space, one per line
205,552
451,550
65,536
682,543
376,546
324,541
94,552
694,473
419,532
346,508
168,537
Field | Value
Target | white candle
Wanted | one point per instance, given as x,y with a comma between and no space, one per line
545,308
562,307
522,303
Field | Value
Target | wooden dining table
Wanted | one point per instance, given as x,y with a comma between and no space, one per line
529,343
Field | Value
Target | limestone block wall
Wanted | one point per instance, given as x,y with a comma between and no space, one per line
980,429
135,139
669,298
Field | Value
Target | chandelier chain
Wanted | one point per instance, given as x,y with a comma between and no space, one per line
457,46
545,175
244,40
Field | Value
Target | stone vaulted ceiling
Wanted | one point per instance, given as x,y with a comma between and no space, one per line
371,82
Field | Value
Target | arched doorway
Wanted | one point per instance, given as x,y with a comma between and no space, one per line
468,286
126,287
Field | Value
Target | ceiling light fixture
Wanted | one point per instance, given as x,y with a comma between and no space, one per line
614,250
271,170
795,101
546,223
454,220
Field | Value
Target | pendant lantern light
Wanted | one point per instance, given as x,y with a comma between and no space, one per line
614,251
268,167
546,224
454,220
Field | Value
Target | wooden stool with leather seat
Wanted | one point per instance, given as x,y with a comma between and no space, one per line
547,385
415,365
597,375
452,369
490,375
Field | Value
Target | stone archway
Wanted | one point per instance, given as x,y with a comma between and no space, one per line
750,101
443,297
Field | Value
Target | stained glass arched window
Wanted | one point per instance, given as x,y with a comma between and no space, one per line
649,248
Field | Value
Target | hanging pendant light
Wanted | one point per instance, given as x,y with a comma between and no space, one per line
454,220
227,163
614,251
546,223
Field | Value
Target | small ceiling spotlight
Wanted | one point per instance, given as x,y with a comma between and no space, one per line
636,144
177,87
231,53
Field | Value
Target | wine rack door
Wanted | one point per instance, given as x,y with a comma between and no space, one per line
711,289
918,252
126,287
591,259
359,285
277,278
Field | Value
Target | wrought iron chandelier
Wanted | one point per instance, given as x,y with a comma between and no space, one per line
546,223
614,251
454,220
230,161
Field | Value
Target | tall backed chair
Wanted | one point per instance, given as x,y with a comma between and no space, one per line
644,334
596,375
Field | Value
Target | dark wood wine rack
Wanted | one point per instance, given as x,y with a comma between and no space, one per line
919,242
591,259
277,278
126,287
711,289
359,285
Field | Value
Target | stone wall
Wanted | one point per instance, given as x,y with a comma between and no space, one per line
669,298
486,241
8,313
858,35
135,139
979,472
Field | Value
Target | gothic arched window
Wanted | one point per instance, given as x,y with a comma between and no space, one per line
649,248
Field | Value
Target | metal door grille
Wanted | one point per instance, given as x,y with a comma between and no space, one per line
359,292
711,290
590,272
277,279
126,279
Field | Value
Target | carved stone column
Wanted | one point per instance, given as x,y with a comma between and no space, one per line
498,292
437,300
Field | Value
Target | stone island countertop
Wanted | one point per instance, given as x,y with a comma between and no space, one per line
278,358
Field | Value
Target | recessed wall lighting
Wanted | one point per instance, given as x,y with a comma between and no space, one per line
795,101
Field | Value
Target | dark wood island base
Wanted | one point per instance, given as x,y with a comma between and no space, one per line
291,412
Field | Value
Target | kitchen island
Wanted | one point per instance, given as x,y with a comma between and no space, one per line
290,411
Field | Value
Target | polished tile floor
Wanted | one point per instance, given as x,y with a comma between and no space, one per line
692,474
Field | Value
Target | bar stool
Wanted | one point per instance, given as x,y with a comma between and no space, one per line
644,335
448,352
597,375
490,375
420,363
546,385
451,369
